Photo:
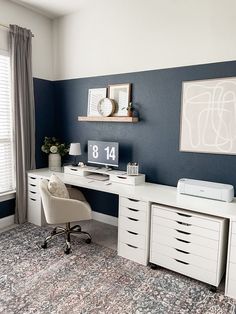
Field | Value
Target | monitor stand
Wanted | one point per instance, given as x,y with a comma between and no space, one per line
106,168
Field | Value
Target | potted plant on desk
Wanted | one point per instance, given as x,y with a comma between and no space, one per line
55,150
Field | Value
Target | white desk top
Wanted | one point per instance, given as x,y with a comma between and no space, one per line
154,193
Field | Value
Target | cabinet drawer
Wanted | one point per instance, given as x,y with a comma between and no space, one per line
133,238
35,212
133,203
34,194
186,257
33,187
185,269
234,227
177,225
34,200
186,246
74,170
176,233
133,213
233,254
132,225
131,180
186,217
231,290
232,271
33,180
132,253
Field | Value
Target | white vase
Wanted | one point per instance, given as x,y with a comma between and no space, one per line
54,162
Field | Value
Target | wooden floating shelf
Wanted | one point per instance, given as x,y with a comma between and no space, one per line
108,119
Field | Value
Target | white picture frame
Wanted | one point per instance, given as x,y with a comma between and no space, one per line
121,93
94,96
208,116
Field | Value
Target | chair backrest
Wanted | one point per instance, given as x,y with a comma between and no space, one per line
62,210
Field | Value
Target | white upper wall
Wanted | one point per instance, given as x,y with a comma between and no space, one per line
41,27
110,36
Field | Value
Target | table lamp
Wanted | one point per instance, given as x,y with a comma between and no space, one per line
75,150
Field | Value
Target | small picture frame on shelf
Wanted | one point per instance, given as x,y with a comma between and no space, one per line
94,96
121,93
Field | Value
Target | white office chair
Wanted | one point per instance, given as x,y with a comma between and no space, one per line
62,210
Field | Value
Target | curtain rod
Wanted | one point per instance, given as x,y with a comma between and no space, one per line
6,26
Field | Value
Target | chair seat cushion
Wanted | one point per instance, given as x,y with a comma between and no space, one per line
57,188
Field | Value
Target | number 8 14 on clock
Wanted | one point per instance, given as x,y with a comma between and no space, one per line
103,153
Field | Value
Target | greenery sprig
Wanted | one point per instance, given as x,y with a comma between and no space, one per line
52,145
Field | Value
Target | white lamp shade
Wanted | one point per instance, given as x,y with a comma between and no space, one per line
75,149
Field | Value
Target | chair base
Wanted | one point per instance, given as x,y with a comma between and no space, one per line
67,231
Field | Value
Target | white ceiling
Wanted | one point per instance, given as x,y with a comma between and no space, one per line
52,8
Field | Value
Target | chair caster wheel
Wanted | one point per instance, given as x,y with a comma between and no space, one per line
88,241
213,289
44,245
67,251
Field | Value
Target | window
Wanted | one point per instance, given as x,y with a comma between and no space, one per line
7,171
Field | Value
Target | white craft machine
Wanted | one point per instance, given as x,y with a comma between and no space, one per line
206,189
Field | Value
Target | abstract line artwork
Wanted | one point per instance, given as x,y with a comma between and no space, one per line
208,116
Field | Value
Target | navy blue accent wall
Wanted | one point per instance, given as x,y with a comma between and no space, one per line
154,141
44,116
7,208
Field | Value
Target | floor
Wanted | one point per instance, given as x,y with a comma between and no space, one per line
102,234
93,279
105,235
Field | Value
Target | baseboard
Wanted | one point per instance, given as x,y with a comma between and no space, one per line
107,219
6,221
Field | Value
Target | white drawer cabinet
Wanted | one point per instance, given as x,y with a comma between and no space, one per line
35,209
189,243
133,231
231,265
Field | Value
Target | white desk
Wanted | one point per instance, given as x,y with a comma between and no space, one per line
143,196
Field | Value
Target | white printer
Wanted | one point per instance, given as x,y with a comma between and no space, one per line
212,190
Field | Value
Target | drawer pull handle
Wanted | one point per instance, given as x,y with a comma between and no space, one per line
33,199
32,178
133,219
32,192
134,247
133,200
183,223
184,232
181,251
133,210
134,233
121,177
73,169
184,215
33,185
185,263
182,240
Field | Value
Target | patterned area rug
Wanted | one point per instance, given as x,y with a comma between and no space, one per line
92,279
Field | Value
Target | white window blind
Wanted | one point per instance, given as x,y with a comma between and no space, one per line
7,171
